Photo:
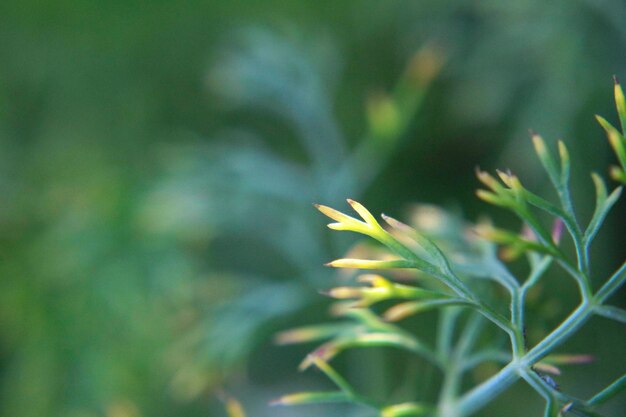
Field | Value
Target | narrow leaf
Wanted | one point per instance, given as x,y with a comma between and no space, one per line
333,376
309,333
565,163
371,264
620,103
364,213
615,139
406,410
547,160
426,244
302,398
613,313
404,310
233,407
604,204
609,392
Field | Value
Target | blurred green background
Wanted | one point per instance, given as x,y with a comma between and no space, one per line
158,161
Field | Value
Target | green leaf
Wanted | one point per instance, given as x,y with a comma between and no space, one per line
603,206
428,245
406,410
613,313
333,375
565,163
515,244
397,339
609,392
234,407
620,103
310,333
616,139
302,398
547,160
373,264
404,310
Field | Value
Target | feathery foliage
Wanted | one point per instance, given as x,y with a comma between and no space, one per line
444,278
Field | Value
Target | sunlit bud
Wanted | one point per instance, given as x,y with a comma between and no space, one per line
234,408
506,177
364,213
309,398
546,158
343,293
344,222
370,264
616,139
620,102
308,334
377,339
488,180
403,310
405,410
491,198
540,145
375,280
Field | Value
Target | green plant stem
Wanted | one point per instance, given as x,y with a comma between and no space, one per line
608,392
448,277
611,285
548,394
485,392
455,367
445,333
449,390
517,320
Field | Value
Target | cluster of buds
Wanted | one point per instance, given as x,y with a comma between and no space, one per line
516,244
616,138
415,251
380,289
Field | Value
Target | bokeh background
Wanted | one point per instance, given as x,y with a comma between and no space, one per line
158,161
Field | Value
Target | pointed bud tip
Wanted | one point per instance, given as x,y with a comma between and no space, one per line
615,79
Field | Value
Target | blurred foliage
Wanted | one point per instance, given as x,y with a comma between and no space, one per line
158,161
